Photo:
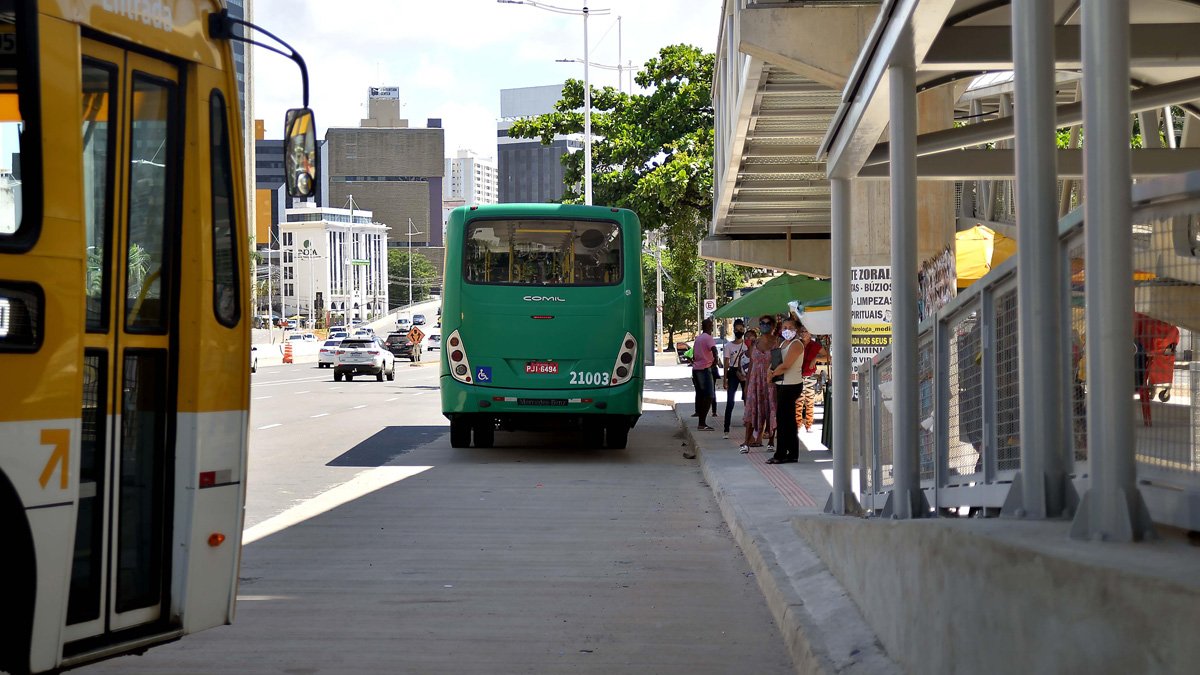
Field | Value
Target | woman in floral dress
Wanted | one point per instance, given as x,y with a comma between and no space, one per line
760,393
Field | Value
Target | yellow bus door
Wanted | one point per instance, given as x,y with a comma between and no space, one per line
131,121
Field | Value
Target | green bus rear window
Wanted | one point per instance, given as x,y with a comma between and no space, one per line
542,252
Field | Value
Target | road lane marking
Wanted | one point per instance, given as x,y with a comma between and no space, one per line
360,406
306,391
397,398
363,484
316,416
259,398
269,426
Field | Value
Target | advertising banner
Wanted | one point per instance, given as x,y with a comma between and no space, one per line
870,312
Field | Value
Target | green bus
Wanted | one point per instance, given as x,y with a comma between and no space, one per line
542,322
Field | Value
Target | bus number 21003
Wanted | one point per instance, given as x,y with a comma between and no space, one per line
600,379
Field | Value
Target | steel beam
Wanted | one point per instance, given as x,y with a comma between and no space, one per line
841,500
1001,164
970,48
907,500
1042,488
1146,98
1112,508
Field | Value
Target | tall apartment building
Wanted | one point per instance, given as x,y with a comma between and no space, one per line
470,178
528,170
391,169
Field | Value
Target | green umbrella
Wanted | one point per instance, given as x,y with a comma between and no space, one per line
773,297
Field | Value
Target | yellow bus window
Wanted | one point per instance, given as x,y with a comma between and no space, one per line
151,195
225,277
10,154
99,81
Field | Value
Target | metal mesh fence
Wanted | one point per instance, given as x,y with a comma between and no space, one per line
1166,280
925,395
884,369
1008,398
866,403
1078,310
965,412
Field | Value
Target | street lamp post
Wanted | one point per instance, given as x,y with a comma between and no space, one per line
587,87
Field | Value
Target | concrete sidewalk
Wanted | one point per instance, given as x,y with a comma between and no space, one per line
874,595
821,626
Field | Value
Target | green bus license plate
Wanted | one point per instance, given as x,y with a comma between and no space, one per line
541,368
553,402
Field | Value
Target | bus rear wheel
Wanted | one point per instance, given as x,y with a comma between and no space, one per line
617,434
485,433
460,433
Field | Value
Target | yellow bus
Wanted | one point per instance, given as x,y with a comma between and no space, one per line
124,325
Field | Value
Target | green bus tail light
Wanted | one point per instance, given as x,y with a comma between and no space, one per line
460,366
621,371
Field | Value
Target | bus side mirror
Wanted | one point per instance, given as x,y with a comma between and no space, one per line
300,157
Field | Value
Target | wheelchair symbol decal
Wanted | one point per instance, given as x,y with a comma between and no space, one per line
484,374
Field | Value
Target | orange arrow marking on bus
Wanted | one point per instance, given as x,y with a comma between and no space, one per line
61,440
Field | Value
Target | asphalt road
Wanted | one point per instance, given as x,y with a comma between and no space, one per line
374,547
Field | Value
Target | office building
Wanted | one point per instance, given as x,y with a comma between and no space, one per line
529,171
332,264
390,168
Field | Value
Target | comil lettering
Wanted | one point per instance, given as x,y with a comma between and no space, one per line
150,12
543,298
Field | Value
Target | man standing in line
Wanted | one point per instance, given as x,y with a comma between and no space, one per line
704,355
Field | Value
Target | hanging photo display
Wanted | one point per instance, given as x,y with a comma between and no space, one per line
938,283
870,312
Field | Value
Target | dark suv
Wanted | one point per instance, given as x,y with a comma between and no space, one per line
402,347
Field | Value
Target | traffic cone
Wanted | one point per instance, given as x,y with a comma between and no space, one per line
287,353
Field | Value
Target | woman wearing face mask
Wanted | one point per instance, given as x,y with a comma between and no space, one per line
760,395
734,377
787,391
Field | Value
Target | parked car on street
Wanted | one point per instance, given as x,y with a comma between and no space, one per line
401,347
363,356
328,354
418,319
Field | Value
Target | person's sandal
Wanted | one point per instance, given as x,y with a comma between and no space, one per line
743,448
704,427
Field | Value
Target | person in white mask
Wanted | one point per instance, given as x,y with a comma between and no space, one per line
787,390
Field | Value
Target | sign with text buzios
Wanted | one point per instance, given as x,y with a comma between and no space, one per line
870,312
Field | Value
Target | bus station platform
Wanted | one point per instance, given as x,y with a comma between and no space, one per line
875,595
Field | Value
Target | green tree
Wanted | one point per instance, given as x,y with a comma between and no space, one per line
423,276
652,152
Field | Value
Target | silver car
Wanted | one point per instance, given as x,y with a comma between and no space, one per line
327,356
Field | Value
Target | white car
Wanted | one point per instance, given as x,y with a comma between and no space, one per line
403,324
338,334
327,356
302,337
433,342
363,356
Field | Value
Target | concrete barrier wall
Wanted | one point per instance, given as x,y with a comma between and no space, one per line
977,596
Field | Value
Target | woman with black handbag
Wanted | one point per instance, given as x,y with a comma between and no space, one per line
735,377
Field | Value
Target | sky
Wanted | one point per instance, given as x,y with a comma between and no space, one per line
451,58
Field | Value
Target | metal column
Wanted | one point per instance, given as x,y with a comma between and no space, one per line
1042,488
842,500
1112,509
906,499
